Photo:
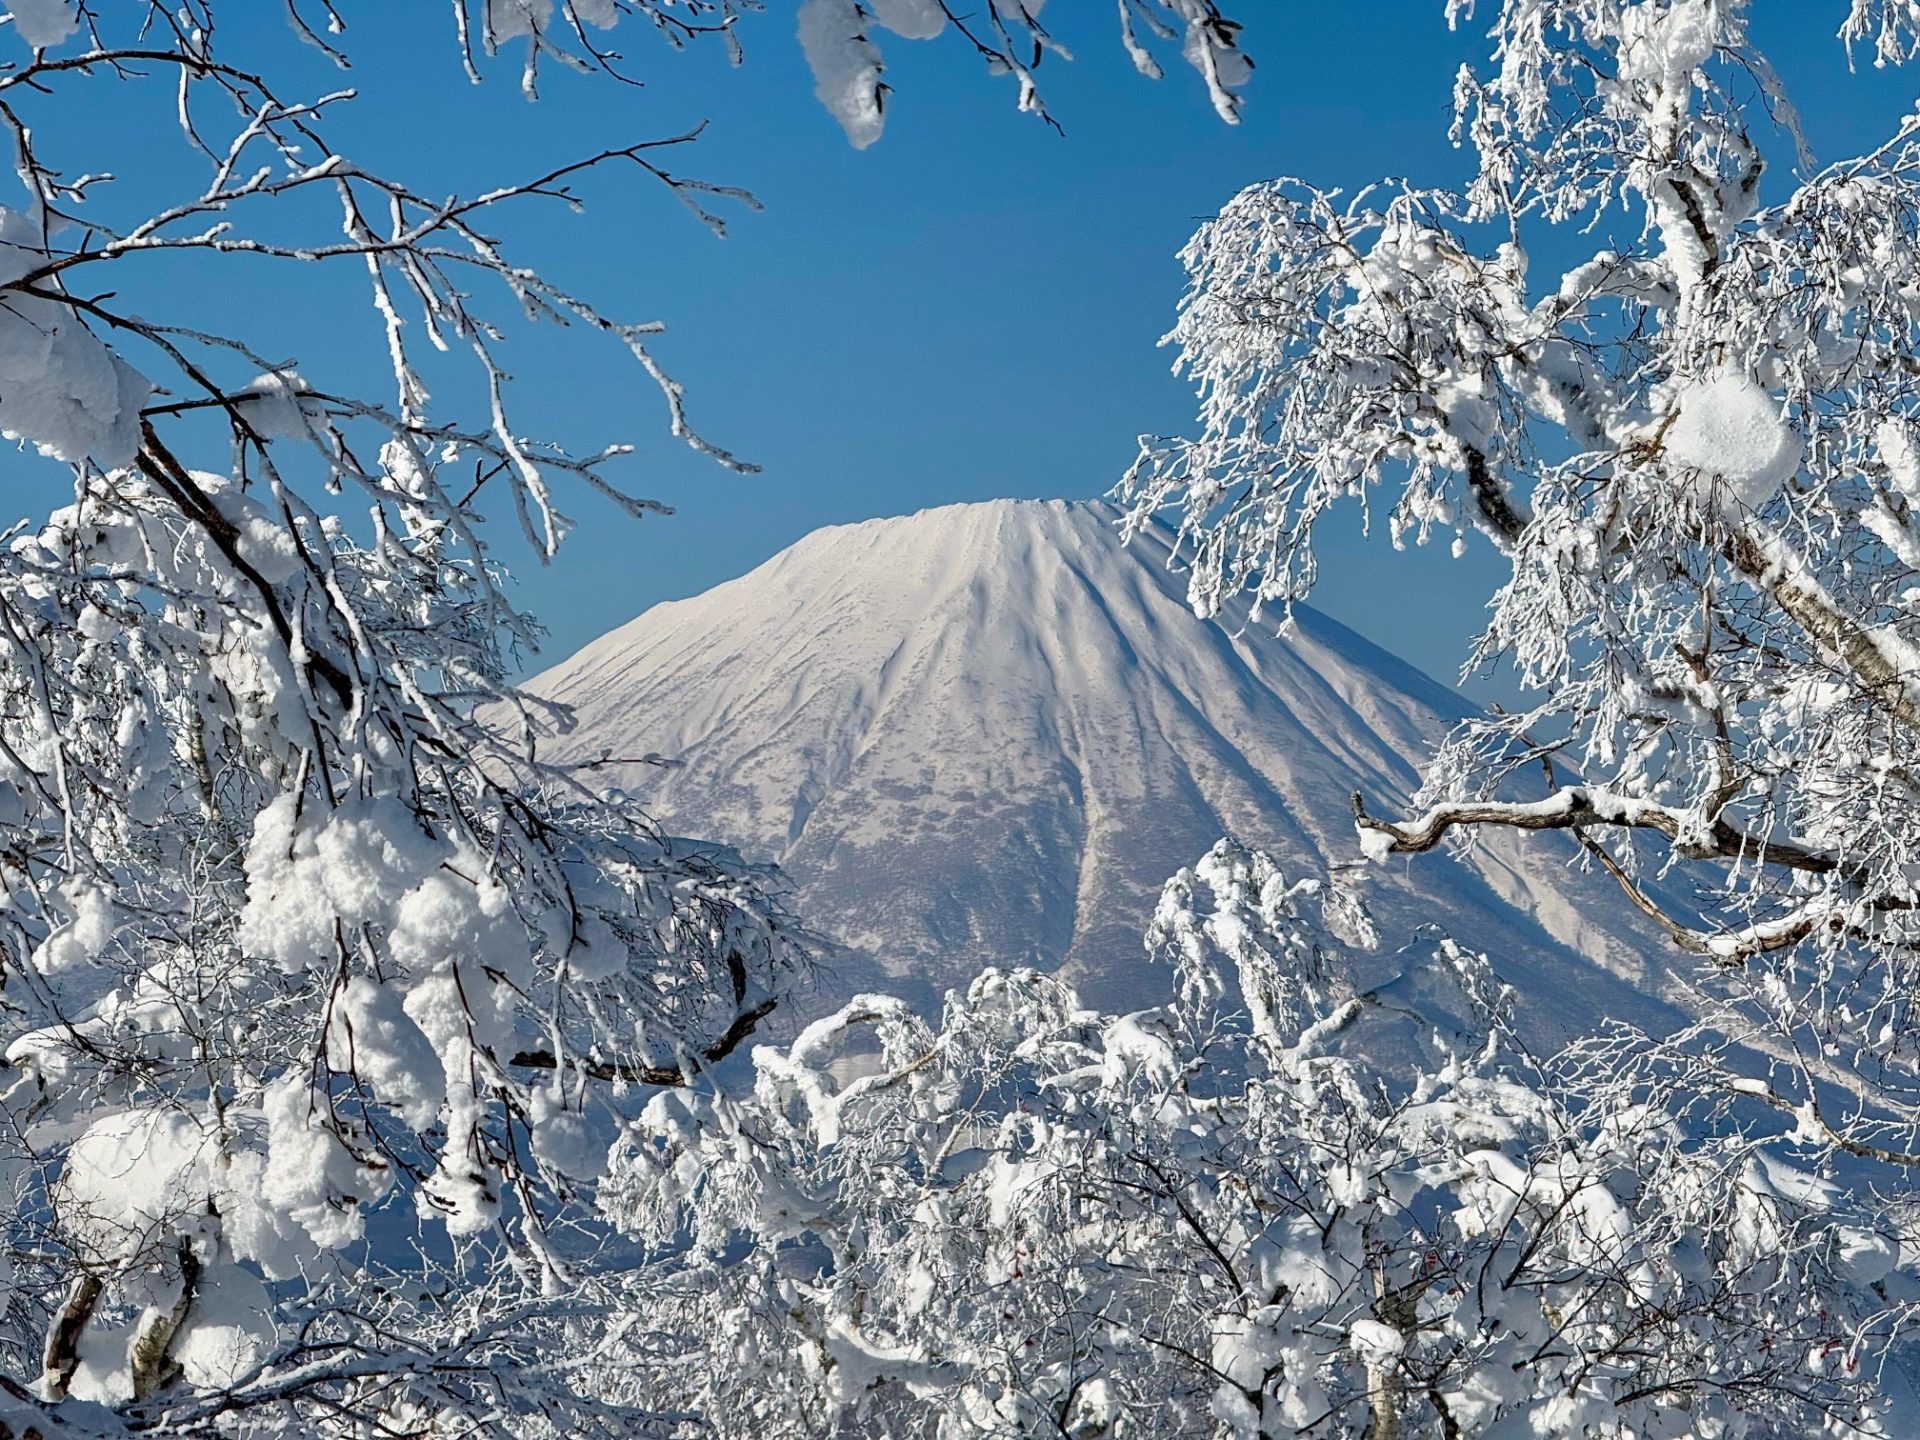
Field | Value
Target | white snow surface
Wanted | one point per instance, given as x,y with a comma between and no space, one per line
988,734
44,23
912,19
60,388
1730,429
845,64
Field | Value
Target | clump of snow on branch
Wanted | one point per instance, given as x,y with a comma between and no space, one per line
61,390
846,66
1730,433
837,37
44,23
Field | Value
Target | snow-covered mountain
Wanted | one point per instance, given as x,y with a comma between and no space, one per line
986,734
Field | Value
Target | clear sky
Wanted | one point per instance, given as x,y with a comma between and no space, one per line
968,309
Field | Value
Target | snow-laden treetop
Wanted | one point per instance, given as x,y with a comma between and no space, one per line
1697,452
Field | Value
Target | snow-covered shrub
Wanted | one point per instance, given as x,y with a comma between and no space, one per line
1217,1218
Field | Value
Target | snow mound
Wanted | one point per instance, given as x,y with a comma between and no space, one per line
1730,431
988,734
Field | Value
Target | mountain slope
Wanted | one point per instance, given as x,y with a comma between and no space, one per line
986,734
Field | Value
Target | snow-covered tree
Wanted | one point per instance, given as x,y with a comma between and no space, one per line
1699,453
360,1061
320,999
1273,1207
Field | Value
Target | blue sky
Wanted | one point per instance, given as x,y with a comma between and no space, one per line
966,310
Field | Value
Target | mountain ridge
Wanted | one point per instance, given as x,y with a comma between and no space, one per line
987,733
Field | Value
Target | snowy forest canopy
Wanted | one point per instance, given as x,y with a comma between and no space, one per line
369,1074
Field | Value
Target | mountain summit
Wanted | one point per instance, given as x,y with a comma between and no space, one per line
988,733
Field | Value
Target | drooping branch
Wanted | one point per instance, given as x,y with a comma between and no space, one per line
1495,504
158,464
673,1076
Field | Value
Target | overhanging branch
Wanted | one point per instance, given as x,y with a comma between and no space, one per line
743,1025
1582,807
